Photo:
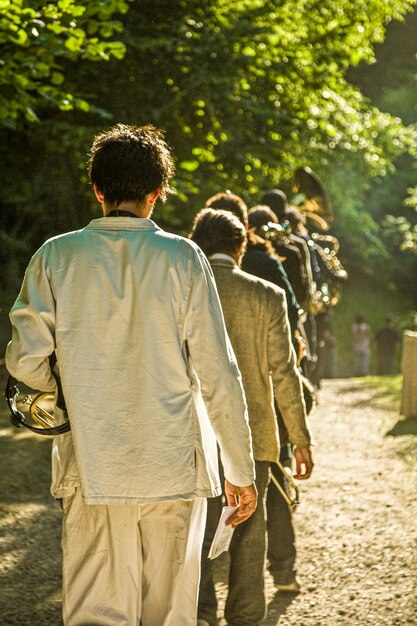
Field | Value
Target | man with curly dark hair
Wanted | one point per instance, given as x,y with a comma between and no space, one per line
150,382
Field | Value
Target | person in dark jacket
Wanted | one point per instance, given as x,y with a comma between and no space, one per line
387,341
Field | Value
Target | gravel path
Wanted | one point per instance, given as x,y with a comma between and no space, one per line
356,524
357,521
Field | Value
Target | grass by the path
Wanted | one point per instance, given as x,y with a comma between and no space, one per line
389,386
389,389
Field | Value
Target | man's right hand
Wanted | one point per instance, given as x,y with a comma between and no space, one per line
304,463
245,498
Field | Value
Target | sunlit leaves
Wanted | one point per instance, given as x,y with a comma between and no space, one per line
37,39
271,75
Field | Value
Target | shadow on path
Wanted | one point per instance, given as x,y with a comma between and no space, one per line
30,529
279,604
403,427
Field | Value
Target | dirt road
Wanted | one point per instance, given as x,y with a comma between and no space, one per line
356,525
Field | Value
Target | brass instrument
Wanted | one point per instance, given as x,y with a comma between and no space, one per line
40,408
275,232
329,292
312,198
292,494
313,201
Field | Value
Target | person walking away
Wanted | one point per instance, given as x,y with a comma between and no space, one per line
150,382
261,260
256,318
361,342
387,341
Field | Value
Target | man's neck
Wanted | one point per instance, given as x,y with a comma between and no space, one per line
138,210
119,213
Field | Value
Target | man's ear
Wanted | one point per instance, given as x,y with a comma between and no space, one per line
98,193
154,195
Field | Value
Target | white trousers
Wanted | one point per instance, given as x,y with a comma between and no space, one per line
131,565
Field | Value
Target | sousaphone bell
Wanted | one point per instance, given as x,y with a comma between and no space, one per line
312,198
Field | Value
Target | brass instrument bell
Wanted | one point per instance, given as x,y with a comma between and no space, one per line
40,408
312,198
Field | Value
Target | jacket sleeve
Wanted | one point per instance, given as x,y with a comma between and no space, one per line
33,329
216,367
283,367
292,304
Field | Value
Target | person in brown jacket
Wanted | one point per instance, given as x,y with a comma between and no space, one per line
257,323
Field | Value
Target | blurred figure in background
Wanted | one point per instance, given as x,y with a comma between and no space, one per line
361,342
318,283
228,201
387,341
298,227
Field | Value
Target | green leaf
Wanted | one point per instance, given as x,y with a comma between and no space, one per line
189,166
20,37
57,78
73,43
82,105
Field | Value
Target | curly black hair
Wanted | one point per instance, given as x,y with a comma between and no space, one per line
126,163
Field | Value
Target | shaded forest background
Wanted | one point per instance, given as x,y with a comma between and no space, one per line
247,91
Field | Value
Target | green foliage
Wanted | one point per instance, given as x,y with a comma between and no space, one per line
12,250
407,228
249,90
38,39
40,175
391,83
246,90
42,194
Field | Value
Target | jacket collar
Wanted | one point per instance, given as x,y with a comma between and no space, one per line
123,223
222,260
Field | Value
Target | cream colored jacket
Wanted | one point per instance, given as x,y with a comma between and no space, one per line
255,312
148,373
